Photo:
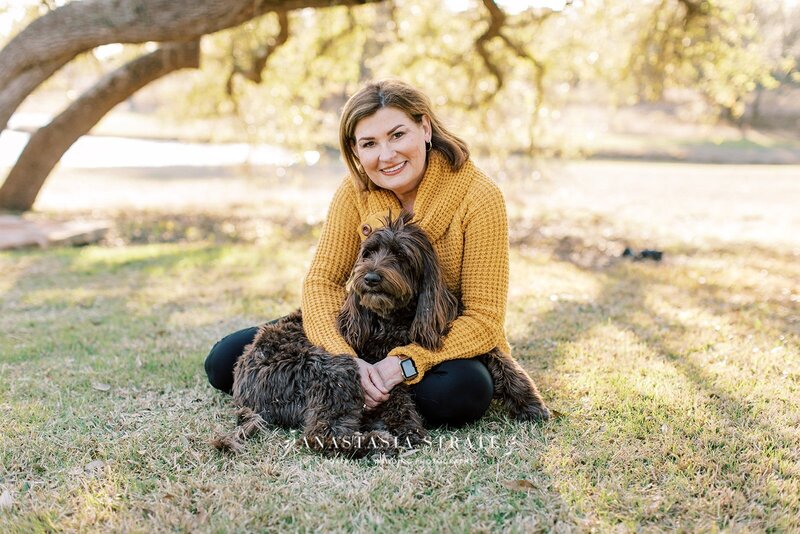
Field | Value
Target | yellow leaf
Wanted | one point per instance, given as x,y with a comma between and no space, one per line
519,485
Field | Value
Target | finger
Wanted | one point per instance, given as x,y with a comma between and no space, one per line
371,402
377,380
374,398
379,396
370,391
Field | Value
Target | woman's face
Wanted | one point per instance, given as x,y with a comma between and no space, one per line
391,149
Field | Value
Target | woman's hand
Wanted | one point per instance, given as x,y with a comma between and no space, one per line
375,390
389,369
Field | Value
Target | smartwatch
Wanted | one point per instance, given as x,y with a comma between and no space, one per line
408,368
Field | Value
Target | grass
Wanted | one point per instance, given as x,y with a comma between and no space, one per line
678,382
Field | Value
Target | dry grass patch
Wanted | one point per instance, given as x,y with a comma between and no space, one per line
678,381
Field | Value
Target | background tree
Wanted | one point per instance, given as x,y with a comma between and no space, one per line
53,40
503,73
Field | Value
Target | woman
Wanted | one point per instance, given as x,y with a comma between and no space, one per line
401,156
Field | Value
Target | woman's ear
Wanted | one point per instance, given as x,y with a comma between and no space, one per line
426,128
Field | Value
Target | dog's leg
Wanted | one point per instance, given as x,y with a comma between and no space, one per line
248,423
354,445
333,414
400,417
515,388
337,434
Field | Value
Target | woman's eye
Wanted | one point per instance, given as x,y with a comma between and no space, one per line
368,144
398,135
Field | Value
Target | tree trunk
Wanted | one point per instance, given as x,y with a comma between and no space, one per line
49,143
56,38
52,41
18,89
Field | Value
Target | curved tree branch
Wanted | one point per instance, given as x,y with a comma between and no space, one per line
62,34
80,26
497,19
49,143
260,57
17,89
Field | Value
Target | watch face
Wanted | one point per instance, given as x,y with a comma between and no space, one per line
408,368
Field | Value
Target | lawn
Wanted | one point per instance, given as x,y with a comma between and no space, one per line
678,381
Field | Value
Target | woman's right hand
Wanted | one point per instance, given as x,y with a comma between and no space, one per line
375,392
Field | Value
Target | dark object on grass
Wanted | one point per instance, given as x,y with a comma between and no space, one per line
396,296
645,254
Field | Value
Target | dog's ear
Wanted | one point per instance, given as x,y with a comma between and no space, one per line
437,307
353,322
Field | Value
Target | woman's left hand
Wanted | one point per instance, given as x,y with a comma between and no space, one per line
389,369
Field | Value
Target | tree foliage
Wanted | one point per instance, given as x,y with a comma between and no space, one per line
500,77
500,74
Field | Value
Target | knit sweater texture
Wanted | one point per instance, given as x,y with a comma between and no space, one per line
463,212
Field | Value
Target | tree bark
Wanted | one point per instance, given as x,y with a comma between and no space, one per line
59,36
49,143
16,90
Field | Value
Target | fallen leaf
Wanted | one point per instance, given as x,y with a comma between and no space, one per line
99,386
6,500
519,485
555,414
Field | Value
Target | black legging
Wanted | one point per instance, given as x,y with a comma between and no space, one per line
453,393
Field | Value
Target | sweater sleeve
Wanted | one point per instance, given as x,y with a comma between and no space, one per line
484,287
324,285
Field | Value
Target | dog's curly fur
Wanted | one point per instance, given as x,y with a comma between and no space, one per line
396,296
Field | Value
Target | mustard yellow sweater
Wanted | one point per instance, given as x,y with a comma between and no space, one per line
464,215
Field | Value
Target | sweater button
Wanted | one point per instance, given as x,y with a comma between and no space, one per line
366,229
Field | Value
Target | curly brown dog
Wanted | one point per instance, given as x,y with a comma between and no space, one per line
396,296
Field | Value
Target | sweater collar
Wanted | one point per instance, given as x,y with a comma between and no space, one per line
440,193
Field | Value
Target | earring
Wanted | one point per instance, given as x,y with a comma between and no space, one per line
428,146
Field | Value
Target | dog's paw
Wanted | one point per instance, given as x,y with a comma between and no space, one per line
227,443
533,412
379,443
410,439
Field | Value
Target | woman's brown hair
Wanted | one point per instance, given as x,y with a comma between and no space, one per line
413,102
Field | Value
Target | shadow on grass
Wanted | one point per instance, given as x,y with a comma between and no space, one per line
739,427
85,305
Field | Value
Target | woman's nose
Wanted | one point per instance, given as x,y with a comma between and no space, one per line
387,153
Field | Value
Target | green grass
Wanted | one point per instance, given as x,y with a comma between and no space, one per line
678,383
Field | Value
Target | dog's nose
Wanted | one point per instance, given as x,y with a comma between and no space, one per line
372,279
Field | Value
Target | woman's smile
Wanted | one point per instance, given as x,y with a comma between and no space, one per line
394,169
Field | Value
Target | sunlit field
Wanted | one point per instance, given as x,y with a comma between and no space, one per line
678,381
